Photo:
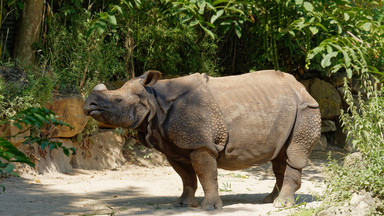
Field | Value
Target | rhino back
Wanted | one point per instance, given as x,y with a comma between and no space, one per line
259,110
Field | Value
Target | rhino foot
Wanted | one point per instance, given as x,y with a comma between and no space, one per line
186,202
270,197
212,204
282,202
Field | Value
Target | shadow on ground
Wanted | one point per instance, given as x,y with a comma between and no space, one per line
26,197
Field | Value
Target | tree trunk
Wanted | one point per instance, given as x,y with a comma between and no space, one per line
28,31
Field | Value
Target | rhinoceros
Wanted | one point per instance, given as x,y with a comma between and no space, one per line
202,123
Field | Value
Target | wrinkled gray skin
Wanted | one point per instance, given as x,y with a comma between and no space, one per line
203,123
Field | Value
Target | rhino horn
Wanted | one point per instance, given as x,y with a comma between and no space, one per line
100,87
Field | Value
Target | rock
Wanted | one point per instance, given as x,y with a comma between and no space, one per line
49,161
100,151
69,110
353,160
13,74
138,154
328,126
57,161
16,135
361,203
322,144
326,95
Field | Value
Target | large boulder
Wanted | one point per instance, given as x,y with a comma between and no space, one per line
100,151
322,144
326,95
16,136
69,110
49,161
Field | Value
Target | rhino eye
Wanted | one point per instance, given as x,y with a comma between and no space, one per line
118,100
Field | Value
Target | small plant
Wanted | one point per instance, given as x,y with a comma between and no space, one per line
227,187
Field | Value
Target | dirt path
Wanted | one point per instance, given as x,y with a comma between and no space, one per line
135,190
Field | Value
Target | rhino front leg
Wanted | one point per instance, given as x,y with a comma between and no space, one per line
205,166
188,176
279,165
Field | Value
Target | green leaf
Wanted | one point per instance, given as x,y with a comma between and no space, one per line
52,146
9,168
238,29
321,26
314,52
236,10
327,59
201,4
73,149
112,20
299,2
18,125
194,22
138,3
186,19
347,60
66,151
314,30
219,2
366,26
217,15
210,33
44,144
336,68
349,73
346,16
308,6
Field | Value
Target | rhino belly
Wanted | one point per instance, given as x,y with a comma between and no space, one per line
258,127
241,158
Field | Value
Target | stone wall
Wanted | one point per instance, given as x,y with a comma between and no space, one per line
329,95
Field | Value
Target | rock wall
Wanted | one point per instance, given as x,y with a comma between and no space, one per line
329,95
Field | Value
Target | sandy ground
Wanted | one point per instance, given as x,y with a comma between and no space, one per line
135,190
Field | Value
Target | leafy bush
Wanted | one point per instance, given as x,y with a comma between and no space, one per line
23,89
84,46
364,124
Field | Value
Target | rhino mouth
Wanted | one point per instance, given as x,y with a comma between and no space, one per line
94,112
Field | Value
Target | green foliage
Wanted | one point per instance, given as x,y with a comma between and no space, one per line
77,60
10,153
364,124
32,89
352,38
84,46
34,119
209,15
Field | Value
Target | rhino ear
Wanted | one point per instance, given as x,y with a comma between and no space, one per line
150,77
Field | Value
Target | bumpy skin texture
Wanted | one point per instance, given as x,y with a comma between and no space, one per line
203,123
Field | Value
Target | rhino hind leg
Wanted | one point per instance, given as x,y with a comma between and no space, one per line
188,176
306,134
288,181
293,158
291,183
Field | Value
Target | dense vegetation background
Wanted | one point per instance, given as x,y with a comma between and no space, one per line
80,43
